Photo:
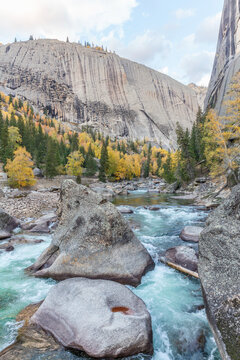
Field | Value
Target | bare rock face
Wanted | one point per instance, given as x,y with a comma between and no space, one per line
89,87
100,317
201,92
227,60
219,271
92,240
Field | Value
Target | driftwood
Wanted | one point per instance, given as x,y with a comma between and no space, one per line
181,268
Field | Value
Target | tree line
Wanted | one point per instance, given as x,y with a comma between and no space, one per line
211,147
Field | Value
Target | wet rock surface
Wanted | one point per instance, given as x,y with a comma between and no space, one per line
191,233
102,318
219,259
92,240
184,256
31,342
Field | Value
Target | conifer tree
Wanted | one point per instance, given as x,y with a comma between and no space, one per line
147,163
103,163
51,162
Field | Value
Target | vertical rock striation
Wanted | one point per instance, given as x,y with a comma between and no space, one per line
219,271
227,59
89,87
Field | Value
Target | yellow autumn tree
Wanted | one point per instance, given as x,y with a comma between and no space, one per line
15,137
74,164
19,170
221,157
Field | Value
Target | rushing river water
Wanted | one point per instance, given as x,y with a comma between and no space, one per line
179,327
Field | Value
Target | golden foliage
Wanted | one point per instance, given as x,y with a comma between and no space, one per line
74,164
19,170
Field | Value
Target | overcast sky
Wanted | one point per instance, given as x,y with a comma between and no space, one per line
177,37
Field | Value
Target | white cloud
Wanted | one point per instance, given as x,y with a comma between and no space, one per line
164,70
146,47
61,18
204,81
184,13
208,29
197,67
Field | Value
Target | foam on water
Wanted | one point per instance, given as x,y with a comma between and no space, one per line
17,290
171,297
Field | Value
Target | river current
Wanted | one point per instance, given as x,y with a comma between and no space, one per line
180,327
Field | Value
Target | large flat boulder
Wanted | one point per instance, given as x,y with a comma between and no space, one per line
100,317
219,271
92,240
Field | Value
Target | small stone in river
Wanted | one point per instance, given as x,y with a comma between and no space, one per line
154,208
125,210
9,248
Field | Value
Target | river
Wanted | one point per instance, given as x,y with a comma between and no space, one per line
179,327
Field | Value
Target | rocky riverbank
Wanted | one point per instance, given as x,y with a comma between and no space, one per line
127,259
104,213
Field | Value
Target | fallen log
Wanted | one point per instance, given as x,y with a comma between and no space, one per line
180,268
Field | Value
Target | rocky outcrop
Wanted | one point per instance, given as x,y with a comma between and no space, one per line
84,86
92,240
201,92
7,223
227,60
219,271
100,317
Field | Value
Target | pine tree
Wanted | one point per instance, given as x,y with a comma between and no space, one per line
103,163
168,173
90,163
147,163
51,160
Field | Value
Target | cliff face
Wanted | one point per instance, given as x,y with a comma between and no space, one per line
219,271
227,59
88,87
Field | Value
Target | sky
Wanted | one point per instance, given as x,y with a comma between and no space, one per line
176,37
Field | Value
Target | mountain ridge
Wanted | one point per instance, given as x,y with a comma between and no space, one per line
84,86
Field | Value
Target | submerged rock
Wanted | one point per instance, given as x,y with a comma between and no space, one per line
92,240
100,317
7,247
219,271
154,208
191,233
